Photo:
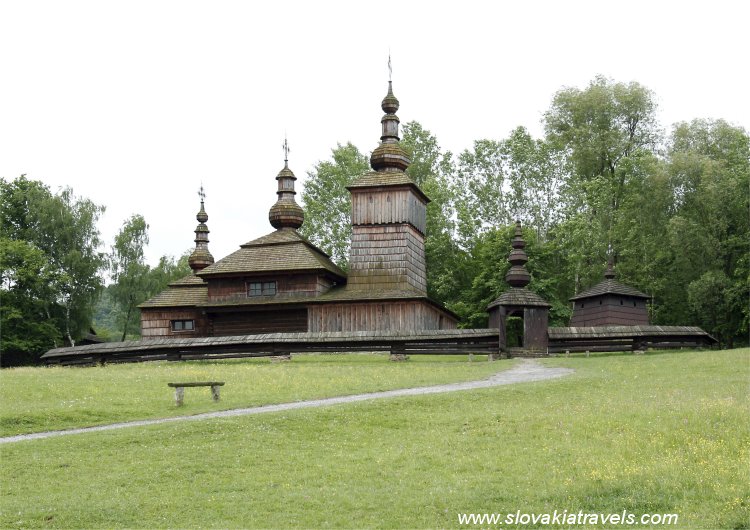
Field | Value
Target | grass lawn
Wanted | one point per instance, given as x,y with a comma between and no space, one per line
654,433
43,399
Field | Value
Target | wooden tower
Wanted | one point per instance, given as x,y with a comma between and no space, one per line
519,301
388,217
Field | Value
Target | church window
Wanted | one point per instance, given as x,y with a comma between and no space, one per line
183,325
261,289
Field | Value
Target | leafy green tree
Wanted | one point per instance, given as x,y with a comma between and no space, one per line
480,190
129,271
327,202
535,176
607,133
432,170
709,230
110,316
63,228
26,303
714,302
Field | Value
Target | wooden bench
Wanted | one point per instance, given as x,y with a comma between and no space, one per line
179,389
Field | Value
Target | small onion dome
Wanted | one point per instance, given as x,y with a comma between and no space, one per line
202,216
201,257
389,155
286,214
517,276
390,103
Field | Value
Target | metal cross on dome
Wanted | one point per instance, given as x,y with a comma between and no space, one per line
201,193
390,69
286,149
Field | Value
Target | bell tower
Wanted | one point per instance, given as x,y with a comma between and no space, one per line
388,217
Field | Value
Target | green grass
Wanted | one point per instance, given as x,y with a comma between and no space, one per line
655,433
43,399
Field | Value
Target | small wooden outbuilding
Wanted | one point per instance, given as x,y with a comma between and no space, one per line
610,303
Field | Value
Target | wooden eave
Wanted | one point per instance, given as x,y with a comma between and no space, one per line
382,180
624,332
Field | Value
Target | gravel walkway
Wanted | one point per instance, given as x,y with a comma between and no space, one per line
528,370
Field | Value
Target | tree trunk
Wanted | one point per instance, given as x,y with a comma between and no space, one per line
67,324
127,321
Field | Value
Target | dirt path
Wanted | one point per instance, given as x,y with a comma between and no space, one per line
528,370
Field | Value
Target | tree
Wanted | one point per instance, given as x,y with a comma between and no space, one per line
328,204
709,229
432,170
605,132
479,187
61,241
129,270
715,303
26,302
110,317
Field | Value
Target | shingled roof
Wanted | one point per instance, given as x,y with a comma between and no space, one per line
610,286
516,296
189,291
280,251
375,179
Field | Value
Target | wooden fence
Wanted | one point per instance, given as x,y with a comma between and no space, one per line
439,342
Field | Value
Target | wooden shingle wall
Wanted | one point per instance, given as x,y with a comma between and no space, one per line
388,206
374,316
387,257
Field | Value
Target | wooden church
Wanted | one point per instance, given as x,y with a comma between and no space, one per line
281,282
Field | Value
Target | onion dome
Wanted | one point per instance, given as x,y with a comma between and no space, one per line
389,156
201,257
286,213
517,275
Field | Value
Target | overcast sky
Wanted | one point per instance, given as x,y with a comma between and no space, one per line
134,104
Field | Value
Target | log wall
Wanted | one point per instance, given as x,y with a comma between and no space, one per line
609,310
251,323
235,289
385,316
388,258
157,323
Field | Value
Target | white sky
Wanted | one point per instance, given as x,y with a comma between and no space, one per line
133,104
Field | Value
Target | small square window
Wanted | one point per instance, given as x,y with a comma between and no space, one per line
261,289
183,325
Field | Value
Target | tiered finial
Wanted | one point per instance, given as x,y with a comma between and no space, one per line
389,156
517,275
201,257
610,272
286,213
